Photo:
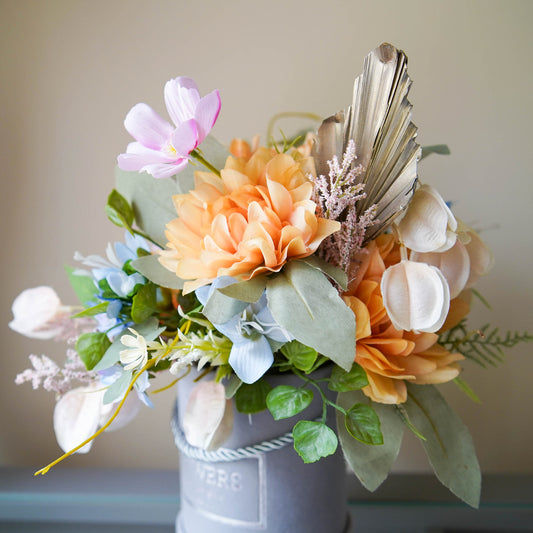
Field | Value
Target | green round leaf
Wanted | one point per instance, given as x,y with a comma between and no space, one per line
251,398
363,424
342,381
286,401
91,347
301,356
313,440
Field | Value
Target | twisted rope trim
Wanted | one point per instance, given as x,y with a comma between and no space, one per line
225,454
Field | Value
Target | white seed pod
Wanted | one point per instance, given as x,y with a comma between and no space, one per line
76,417
416,296
428,225
208,418
453,263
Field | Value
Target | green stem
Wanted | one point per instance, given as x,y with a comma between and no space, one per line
144,236
195,154
289,114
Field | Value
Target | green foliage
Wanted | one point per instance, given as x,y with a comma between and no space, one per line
119,211
117,389
335,273
83,286
313,440
441,149
484,346
150,267
220,308
371,464
299,355
285,401
303,301
94,310
250,399
91,347
447,443
363,424
342,381
232,386
247,291
144,303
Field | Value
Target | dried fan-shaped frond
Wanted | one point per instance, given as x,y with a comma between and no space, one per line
379,121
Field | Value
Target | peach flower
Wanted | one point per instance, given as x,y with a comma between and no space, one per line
252,219
389,356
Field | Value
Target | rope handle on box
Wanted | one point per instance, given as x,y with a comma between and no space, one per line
225,454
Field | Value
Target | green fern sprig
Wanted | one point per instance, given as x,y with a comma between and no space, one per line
484,345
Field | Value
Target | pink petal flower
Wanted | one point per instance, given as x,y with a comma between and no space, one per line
161,149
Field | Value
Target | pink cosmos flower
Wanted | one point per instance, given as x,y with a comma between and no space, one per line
162,149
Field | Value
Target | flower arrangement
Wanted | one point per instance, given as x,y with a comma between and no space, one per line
324,250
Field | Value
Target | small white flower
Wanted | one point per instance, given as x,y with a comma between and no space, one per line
136,356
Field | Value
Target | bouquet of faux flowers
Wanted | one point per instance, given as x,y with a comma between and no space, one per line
323,249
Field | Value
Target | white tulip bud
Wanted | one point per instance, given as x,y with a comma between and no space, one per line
416,296
428,224
76,417
208,418
37,313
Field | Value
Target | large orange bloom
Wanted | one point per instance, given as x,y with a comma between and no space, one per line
251,220
391,357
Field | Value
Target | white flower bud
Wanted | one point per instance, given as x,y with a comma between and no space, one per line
76,417
37,312
428,224
208,418
416,296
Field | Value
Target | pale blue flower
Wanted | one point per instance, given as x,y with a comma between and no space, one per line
251,333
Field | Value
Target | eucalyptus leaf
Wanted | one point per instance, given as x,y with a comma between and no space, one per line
91,347
119,210
117,389
371,464
448,443
247,291
342,381
285,401
150,267
149,329
363,424
335,273
313,440
144,303
441,149
220,308
303,301
84,286
250,399
151,201
301,356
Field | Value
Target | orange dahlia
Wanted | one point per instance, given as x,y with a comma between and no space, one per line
252,219
390,356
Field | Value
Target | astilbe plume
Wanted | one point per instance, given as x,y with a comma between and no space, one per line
336,196
51,377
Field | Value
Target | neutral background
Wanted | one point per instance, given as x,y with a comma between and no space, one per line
70,71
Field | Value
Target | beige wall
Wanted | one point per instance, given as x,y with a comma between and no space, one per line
72,69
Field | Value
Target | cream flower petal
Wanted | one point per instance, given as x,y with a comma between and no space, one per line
453,263
208,418
428,224
416,296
